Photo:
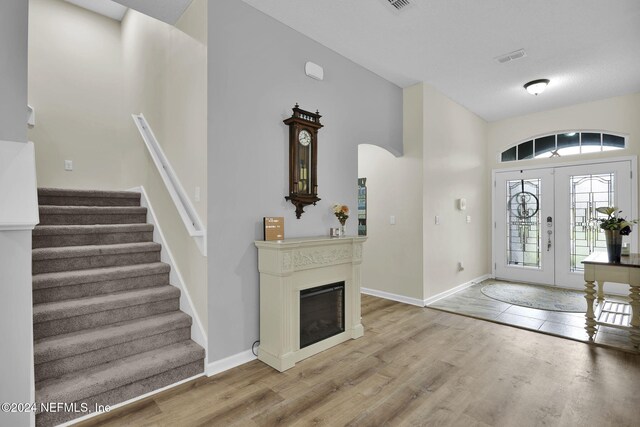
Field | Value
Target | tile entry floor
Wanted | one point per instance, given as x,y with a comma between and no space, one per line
472,302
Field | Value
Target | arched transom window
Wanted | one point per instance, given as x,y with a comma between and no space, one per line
564,144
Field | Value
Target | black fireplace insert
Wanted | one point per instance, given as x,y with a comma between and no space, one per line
321,313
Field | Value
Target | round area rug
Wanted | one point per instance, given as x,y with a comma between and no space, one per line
537,296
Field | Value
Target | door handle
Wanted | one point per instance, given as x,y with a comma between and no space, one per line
549,233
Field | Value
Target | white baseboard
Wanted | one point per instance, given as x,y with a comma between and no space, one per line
392,297
458,288
230,362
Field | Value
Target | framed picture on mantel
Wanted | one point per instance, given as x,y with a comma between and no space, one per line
273,227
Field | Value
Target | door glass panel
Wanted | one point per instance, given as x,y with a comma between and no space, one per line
523,223
588,192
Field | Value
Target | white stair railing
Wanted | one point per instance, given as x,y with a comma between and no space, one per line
182,202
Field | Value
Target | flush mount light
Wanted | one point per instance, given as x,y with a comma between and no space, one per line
535,87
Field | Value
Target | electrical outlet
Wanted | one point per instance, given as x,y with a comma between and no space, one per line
468,219
460,266
68,165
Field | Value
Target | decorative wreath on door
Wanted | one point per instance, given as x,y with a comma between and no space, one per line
524,204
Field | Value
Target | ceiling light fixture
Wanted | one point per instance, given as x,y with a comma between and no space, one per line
536,87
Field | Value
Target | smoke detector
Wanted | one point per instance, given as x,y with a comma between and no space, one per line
398,5
511,56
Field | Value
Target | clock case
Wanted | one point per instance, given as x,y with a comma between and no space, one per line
303,178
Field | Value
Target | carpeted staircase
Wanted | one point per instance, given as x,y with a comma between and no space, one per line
107,323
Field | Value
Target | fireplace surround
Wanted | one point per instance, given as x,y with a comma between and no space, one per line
291,269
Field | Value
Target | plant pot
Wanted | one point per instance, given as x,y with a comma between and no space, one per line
614,244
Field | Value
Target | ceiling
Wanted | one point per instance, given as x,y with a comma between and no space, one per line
589,49
103,7
168,11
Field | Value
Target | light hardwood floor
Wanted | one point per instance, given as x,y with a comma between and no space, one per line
414,366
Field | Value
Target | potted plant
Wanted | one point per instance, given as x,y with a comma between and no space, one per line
614,227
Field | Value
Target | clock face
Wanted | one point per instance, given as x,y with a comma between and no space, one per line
304,137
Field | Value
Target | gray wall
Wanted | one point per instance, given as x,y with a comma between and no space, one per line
13,70
16,363
256,75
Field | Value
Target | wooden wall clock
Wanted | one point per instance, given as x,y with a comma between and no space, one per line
303,158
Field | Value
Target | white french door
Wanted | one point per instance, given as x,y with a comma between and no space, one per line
524,203
545,220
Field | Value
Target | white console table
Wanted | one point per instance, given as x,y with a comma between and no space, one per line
597,268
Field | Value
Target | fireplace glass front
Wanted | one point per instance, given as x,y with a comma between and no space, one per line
321,313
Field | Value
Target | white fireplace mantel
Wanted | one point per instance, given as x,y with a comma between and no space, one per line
291,265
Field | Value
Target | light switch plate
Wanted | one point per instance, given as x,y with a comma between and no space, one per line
392,220
437,219
468,219
68,165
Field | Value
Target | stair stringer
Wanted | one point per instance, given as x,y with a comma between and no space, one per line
198,333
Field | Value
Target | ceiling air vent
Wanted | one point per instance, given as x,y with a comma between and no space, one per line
399,4
511,56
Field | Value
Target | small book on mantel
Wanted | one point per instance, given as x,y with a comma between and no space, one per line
273,227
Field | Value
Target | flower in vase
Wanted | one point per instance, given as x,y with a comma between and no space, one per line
341,212
615,222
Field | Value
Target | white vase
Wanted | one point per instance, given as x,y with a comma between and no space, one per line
343,230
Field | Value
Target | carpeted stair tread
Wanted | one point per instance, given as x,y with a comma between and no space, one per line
52,230
124,393
89,215
68,325
61,197
73,344
94,250
67,258
62,192
81,283
78,362
91,210
79,307
76,277
52,236
109,376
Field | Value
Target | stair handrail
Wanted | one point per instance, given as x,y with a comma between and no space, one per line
190,217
